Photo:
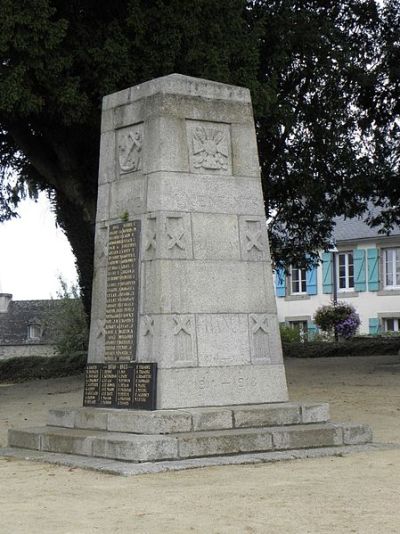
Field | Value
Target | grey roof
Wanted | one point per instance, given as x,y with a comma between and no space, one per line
22,313
356,228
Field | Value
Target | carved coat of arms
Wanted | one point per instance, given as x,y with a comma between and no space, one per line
130,151
210,149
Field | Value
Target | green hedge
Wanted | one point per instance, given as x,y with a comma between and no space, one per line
355,347
34,367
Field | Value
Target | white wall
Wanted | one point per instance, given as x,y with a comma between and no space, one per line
368,304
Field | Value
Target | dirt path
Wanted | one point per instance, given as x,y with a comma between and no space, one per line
352,494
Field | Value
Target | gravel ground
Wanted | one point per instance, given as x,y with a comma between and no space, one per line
359,493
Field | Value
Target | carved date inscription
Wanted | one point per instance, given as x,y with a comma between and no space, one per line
122,292
121,385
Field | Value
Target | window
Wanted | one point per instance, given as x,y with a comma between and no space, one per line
298,280
345,271
34,331
391,263
391,324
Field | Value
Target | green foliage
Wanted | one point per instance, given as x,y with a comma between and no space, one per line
70,322
325,84
36,367
339,318
326,317
288,334
367,346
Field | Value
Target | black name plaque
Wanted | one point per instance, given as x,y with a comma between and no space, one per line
121,385
122,292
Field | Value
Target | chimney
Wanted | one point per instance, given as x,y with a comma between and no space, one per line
5,299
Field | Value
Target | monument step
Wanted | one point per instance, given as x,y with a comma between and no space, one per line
152,447
189,419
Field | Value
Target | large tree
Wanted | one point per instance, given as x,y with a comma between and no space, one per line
324,78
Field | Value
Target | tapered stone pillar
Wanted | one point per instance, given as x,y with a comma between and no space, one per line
182,265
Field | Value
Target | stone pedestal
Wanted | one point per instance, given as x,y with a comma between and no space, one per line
179,162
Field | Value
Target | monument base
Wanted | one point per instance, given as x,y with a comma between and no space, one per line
174,435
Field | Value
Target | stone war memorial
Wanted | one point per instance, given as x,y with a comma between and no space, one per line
185,359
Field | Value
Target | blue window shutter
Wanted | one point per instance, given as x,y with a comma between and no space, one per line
359,270
373,323
312,281
280,282
327,282
373,269
312,330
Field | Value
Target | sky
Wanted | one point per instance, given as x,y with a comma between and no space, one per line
34,253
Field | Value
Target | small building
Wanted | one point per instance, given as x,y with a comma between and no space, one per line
363,269
27,327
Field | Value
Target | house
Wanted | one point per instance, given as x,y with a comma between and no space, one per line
363,269
27,327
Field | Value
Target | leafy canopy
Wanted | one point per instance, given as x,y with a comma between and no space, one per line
324,76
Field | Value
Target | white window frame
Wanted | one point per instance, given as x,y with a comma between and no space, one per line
348,286
396,324
302,279
396,279
34,329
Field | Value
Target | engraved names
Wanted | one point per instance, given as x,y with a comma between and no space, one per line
121,385
122,291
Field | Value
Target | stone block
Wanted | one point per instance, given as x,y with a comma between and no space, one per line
301,437
211,418
254,238
91,418
67,441
315,413
128,196
107,167
222,339
206,287
204,193
143,422
103,203
265,341
107,121
178,84
356,434
25,439
165,145
167,235
62,417
215,236
220,386
188,107
168,339
244,149
223,442
266,415
135,448
129,114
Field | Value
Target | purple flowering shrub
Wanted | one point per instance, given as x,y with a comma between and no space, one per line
340,318
348,327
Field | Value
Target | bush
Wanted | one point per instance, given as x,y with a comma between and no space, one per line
339,317
35,367
288,334
70,322
361,346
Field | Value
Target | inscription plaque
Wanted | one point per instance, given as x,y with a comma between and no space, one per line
122,292
121,385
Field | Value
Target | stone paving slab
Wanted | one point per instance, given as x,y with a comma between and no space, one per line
114,467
